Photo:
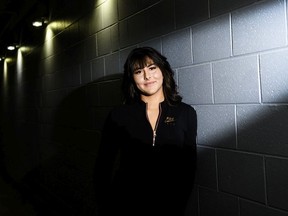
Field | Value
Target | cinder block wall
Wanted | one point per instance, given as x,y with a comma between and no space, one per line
231,64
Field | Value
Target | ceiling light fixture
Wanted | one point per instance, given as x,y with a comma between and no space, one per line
40,22
11,47
37,23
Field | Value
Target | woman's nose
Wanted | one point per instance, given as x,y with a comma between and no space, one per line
147,75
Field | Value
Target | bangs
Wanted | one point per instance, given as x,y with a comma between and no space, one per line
141,62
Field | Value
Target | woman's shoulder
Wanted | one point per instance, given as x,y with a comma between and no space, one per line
184,106
188,112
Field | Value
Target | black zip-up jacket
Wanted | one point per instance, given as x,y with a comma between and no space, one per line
154,170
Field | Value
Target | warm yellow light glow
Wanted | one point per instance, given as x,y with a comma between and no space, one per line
48,45
19,65
107,7
49,34
9,60
55,25
59,25
5,78
108,12
98,2
25,49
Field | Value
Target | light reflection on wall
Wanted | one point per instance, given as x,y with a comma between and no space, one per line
48,45
5,78
98,2
26,49
19,65
9,60
52,30
260,29
57,26
5,71
107,8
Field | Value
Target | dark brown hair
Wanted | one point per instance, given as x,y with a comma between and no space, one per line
138,57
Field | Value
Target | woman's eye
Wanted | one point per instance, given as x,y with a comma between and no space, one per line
137,72
152,68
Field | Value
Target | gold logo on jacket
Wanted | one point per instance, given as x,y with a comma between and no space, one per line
170,120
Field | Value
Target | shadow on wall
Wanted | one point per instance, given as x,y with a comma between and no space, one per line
63,183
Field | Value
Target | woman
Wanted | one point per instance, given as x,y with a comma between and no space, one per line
148,153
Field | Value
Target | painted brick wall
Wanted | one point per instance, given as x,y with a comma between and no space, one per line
231,61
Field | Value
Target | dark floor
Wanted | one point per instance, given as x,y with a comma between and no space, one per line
19,201
12,203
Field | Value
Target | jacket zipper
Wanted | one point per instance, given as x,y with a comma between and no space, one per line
156,126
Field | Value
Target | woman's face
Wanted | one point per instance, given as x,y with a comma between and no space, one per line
149,79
